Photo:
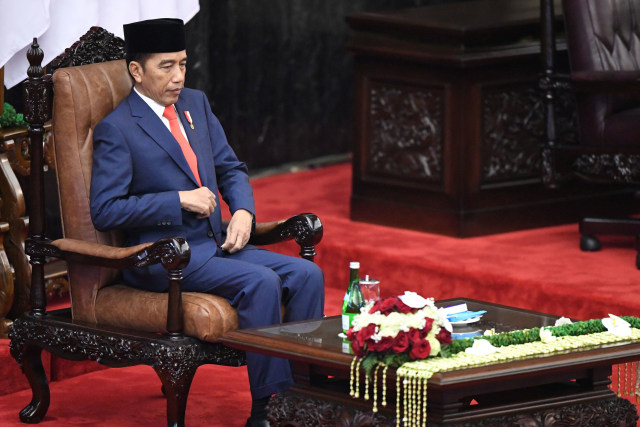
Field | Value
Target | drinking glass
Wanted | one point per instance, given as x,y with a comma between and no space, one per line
370,289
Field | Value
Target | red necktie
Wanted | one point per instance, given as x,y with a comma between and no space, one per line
170,113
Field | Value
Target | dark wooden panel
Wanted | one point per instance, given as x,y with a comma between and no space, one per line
449,123
278,74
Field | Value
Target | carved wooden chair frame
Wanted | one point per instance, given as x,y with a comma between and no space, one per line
174,356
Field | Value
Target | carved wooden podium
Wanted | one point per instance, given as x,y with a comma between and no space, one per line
449,122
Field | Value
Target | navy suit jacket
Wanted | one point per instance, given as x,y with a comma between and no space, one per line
138,169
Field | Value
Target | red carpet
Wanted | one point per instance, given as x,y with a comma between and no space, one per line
541,269
124,397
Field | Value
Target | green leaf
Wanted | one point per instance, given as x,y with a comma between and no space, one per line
10,118
369,362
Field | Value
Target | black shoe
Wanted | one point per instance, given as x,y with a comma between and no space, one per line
257,422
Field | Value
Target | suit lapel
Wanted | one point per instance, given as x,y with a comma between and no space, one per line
193,135
199,140
153,126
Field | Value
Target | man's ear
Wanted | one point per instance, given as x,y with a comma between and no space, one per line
136,71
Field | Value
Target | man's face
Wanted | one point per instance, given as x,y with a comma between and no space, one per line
161,77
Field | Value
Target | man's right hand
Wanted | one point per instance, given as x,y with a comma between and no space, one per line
201,201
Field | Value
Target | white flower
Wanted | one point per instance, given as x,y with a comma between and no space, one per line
617,326
413,300
434,343
546,336
563,321
481,348
446,324
489,332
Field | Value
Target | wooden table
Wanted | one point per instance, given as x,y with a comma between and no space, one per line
562,387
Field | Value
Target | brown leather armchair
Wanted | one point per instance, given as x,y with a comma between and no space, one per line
173,332
604,53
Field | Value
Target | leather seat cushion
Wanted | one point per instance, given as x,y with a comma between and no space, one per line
622,130
205,316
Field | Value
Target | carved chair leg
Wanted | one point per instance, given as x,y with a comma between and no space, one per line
32,367
176,382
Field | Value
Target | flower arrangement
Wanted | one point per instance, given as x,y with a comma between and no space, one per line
613,324
397,330
404,331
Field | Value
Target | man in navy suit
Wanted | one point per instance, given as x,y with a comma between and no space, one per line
159,160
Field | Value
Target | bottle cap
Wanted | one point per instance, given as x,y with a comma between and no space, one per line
354,264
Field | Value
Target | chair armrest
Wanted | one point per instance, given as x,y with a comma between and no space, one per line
607,82
306,229
173,252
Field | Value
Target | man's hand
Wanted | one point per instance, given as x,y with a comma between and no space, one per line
238,231
201,201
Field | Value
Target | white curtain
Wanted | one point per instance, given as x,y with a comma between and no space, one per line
59,23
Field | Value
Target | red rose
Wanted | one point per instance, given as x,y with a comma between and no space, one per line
365,333
415,335
383,345
420,350
358,349
427,326
386,305
401,342
403,308
444,336
375,307
351,334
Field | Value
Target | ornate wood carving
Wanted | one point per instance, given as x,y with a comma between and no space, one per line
607,412
513,125
621,168
6,283
289,409
306,230
512,128
83,342
12,213
96,45
16,160
173,253
406,131
175,360
292,409
41,248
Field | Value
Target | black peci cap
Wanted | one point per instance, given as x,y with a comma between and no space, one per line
154,36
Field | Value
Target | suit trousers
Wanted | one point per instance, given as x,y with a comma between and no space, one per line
256,282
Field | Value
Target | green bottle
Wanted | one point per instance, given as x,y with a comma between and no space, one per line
353,299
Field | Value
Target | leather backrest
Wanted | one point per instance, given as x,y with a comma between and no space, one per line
602,35
83,96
